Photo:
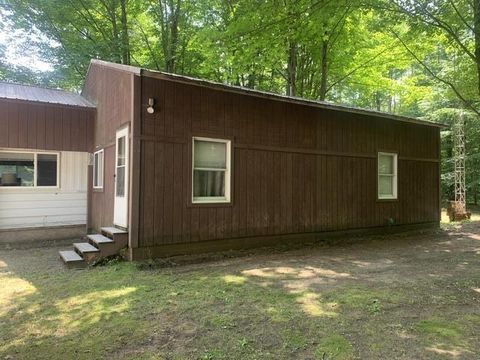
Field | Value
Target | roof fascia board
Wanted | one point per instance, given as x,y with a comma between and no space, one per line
284,98
120,67
26,102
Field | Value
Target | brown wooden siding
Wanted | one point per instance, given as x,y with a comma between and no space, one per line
296,168
111,91
42,126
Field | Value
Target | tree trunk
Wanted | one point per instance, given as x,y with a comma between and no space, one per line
251,79
172,46
476,28
378,101
324,74
125,38
475,195
116,40
292,69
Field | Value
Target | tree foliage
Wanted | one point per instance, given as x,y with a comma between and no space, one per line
412,57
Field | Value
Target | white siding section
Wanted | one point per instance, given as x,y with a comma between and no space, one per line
67,205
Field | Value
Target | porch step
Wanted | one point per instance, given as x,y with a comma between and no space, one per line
72,259
87,251
110,242
113,231
99,239
85,248
120,236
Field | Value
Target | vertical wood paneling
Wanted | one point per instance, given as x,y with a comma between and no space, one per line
168,194
23,127
177,193
4,126
13,125
40,133
67,129
187,211
33,125
151,174
278,191
111,90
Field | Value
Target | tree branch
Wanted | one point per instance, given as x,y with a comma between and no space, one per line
459,14
149,47
439,23
347,75
436,77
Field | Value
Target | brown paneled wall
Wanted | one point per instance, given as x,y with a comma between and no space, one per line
44,126
296,169
111,91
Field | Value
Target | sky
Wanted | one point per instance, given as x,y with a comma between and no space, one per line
18,50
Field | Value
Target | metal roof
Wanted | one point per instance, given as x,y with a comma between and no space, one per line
264,94
13,91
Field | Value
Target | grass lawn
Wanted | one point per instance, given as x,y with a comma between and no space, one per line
410,296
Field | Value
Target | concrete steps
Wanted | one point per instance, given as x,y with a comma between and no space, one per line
113,230
97,246
88,252
72,259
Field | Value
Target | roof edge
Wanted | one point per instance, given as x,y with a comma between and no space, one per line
290,99
121,67
88,104
139,71
90,107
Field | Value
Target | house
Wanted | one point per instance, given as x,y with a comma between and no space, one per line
182,165
45,139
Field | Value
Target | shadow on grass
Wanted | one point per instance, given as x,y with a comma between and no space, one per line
57,316
120,312
331,306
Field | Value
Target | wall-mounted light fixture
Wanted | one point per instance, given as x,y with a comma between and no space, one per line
151,102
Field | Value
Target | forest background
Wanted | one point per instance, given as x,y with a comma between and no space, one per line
409,57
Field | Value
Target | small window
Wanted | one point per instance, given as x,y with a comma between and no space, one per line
121,167
211,170
387,175
28,169
98,170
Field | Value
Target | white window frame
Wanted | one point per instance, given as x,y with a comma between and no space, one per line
35,167
101,174
394,176
213,199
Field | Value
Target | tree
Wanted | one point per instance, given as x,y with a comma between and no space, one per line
77,31
455,25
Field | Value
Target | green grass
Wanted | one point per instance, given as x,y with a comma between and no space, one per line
450,337
362,298
334,347
90,314
120,311
441,328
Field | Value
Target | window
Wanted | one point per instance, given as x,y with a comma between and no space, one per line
98,170
211,170
121,166
28,169
387,175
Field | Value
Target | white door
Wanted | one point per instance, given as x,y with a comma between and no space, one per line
120,213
